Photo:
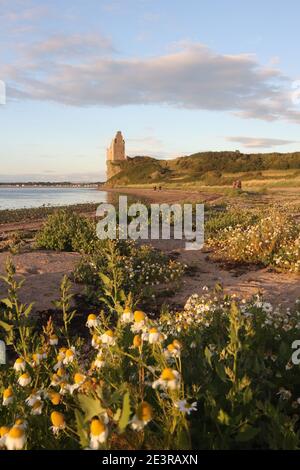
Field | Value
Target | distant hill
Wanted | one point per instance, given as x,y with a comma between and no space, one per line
211,168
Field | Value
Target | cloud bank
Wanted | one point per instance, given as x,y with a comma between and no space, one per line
83,70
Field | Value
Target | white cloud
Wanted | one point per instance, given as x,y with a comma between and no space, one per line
193,77
259,142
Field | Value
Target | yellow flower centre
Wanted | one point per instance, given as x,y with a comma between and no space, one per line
171,347
153,330
55,398
8,393
16,433
54,337
3,431
25,376
167,374
19,422
57,419
69,353
19,360
37,405
145,412
92,317
61,372
97,427
78,378
137,341
55,378
109,333
139,316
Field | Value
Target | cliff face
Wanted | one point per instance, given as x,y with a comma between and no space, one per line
114,167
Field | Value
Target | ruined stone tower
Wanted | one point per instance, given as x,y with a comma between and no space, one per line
115,155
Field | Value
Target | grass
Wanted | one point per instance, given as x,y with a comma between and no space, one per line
37,213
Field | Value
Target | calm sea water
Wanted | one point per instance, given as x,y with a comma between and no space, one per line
18,198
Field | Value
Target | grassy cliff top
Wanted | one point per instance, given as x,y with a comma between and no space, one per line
208,168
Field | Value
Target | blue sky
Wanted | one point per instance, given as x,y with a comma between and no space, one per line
175,76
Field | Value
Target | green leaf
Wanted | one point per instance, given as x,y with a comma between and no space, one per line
28,310
223,417
90,406
124,420
105,279
221,372
247,395
7,302
117,415
5,326
208,355
246,433
82,433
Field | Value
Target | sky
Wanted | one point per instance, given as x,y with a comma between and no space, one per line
175,76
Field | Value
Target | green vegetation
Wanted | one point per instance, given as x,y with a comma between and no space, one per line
38,213
271,238
208,168
65,230
216,375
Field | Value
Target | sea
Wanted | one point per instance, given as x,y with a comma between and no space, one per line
29,197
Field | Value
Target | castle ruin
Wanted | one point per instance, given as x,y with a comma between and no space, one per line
115,155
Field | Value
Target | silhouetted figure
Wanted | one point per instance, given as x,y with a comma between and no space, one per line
237,184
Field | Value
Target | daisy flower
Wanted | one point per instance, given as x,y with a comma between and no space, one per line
15,438
92,321
24,379
55,398
127,316
8,396
33,398
108,338
69,356
58,422
98,433
4,430
184,407
21,423
37,408
53,340
142,416
96,341
173,349
19,364
36,359
99,361
78,381
169,379
154,336
55,380
139,321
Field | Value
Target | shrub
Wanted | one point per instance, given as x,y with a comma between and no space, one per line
68,231
124,265
217,222
273,240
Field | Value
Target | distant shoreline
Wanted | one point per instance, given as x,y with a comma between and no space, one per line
52,185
